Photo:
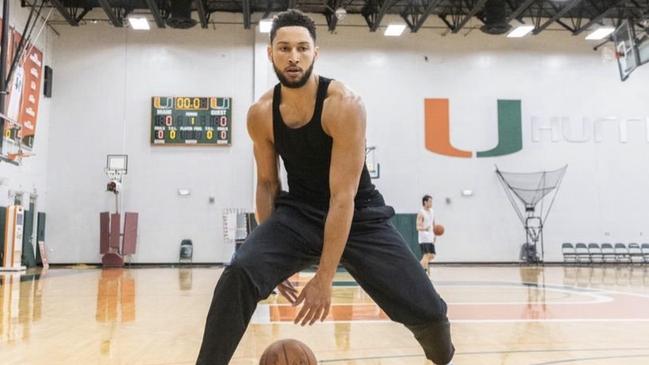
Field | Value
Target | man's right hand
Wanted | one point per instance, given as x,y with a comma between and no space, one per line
288,291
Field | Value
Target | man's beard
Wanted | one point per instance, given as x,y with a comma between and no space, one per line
294,84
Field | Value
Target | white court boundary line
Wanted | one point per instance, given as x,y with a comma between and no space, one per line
598,298
467,321
262,314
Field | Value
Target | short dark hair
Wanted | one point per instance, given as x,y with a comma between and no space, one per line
289,18
425,199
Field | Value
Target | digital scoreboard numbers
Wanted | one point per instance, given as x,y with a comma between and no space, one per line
191,121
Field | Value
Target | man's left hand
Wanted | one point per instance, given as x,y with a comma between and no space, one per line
316,300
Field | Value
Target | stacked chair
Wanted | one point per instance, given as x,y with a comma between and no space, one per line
605,253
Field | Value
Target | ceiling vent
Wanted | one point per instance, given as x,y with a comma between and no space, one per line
495,18
181,14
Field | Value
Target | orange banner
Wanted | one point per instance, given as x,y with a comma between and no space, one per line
23,95
31,93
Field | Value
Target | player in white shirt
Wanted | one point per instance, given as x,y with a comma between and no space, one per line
425,224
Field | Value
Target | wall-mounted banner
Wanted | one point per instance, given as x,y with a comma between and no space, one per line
24,94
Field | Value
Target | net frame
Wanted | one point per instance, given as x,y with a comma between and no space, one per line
525,209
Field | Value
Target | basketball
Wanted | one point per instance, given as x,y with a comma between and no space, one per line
288,352
438,230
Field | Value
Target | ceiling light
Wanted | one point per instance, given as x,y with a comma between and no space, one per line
139,23
394,30
340,13
265,25
600,33
520,31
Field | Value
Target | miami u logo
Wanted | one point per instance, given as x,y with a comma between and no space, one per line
438,136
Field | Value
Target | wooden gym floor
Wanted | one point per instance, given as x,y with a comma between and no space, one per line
505,315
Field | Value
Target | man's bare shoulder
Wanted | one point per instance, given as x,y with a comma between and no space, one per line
342,106
260,116
338,92
262,107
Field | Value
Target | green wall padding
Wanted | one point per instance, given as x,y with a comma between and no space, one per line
28,258
40,236
406,223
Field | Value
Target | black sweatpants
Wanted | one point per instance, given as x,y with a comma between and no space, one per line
291,240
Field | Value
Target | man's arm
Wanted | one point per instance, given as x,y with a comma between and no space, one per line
268,184
347,160
420,222
345,119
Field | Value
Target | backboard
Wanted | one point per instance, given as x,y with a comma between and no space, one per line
117,163
626,49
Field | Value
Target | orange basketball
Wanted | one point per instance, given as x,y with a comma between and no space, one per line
288,352
438,230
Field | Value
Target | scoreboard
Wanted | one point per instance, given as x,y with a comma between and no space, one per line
182,120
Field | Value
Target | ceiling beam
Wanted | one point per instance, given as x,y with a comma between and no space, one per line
58,4
599,17
116,21
571,5
246,13
332,21
155,11
202,13
443,18
330,14
521,8
385,6
476,8
83,13
568,28
269,9
432,4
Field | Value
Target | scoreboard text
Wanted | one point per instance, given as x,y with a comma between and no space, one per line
191,121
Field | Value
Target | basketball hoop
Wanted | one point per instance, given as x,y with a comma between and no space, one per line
116,167
12,148
114,175
18,156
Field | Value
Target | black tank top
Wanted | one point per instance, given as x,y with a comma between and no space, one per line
306,153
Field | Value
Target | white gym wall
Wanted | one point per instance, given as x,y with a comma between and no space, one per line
105,77
105,80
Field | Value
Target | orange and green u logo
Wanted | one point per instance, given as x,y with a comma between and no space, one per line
438,136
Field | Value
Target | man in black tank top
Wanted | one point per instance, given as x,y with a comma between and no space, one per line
331,214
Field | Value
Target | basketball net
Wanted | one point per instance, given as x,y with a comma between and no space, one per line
18,156
114,175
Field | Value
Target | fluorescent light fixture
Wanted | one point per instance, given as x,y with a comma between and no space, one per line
139,23
184,192
265,25
600,33
394,30
467,192
520,31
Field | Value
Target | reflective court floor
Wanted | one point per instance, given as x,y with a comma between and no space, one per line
506,315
